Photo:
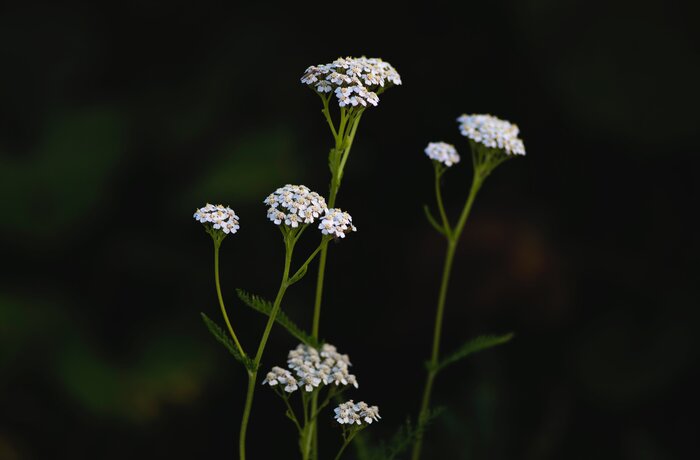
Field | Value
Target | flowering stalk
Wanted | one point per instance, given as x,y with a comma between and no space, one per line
492,141
293,208
356,83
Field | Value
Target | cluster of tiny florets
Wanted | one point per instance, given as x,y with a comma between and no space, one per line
349,413
442,152
292,205
353,80
311,368
336,223
219,217
492,132
281,376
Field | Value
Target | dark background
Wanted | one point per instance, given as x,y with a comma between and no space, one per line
118,121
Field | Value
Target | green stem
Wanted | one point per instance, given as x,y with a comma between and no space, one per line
305,265
217,245
441,207
452,241
327,114
292,415
346,443
252,375
343,140
348,144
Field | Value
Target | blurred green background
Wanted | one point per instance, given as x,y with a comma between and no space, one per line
118,121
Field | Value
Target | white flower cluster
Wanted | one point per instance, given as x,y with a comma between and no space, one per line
442,152
492,132
353,80
350,413
336,223
294,204
281,376
220,218
312,368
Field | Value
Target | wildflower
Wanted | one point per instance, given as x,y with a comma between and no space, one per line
349,413
442,152
310,368
492,132
293,205
281,376
218,218
336,223
354,81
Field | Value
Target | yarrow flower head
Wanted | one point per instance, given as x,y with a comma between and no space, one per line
336,223
354,81
349,413
492,132
281,376
292,205
218,218
310,368
442,152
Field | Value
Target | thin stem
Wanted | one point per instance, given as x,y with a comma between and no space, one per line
327,114
276,305
252,375
325,402
341,127
453,240
319,291
348,144
342,141
305,265
246,414
441,207
217,245
293,416
346,443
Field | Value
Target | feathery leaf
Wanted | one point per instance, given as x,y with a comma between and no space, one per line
401,441
480,343
226,341
265,307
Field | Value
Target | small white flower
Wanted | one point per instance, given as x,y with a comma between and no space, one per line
492,132
349,413
293,205
219,217
336,223
442,152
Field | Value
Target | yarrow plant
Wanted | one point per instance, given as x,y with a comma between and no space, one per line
492,141
315,373
355,84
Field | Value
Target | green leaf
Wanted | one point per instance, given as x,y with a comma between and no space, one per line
480,343
226,341
265,307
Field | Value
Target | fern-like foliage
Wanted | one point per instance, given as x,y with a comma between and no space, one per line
400,442
263,306
226,341
477,344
